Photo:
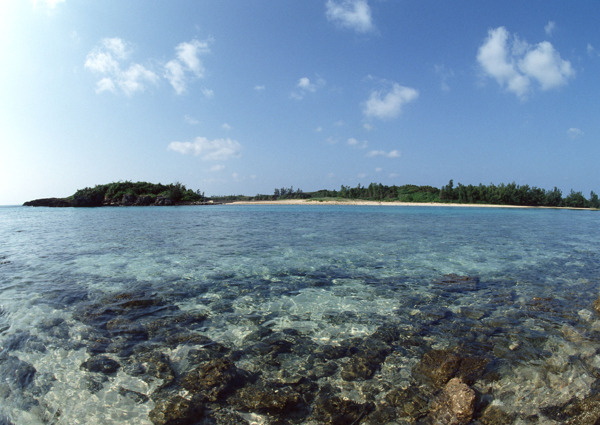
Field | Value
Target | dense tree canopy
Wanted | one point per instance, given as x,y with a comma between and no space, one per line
129,192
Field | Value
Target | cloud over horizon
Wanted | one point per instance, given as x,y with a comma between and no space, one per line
388,104
514,63
208,150
352,14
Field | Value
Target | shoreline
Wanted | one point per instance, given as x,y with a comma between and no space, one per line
391,204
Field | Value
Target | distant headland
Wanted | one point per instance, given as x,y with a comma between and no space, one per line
126,194
145,194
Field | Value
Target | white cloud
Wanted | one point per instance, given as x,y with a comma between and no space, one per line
107,60
189,53
217,167
388,104
352,14
116,46
592,51
175,74
514,63
445,75
319,129
208,150
226,127
378,170
133,79
105,84
549,28
305,86
239,178
191,120
259,87
187,62
208,93
390,154
574,133
545,64
361,175
357,144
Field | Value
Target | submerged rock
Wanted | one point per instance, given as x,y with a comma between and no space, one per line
366,355
331,352
455,405
15,373
94,383
322,370
597,305
493,415
214,379
411,402
338,411
135,396
454,282
359,368
101,364
155,364
176,410
576,412
439,366
268,397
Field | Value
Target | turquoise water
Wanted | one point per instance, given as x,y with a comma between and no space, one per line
323,274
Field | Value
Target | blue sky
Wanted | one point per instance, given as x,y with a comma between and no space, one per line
240,97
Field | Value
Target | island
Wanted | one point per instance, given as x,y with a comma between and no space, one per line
126,194
145,194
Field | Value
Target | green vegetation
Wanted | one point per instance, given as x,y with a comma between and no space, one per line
283,193
503,194
139,193
513,194
143,193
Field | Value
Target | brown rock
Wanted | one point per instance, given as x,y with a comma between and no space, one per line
213,379
175,410
456,404
439,366
493,415
267,397
597,305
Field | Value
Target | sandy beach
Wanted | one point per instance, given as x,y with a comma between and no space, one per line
373,203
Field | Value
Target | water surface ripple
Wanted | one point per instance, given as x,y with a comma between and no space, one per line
297,314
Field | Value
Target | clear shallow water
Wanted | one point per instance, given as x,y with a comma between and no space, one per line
322,275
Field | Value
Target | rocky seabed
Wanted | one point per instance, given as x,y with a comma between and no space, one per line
428,365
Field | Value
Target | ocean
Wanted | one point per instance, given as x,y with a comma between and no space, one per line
297,314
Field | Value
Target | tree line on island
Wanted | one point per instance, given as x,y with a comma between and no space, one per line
126,194
142,194
503,194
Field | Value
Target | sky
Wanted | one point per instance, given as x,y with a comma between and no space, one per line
241,97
